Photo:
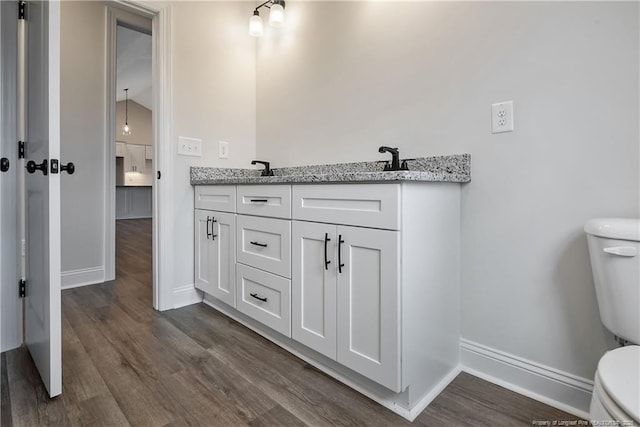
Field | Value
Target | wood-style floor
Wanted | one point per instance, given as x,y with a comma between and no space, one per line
126,364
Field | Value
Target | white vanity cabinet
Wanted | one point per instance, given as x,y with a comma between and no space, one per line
215,243
360,280
345,297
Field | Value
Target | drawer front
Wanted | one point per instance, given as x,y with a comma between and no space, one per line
364,205
265,200
264,297
265,243
216,197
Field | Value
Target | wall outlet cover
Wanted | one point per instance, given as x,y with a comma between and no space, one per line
189,146
502,117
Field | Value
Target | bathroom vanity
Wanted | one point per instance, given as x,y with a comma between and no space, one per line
349,267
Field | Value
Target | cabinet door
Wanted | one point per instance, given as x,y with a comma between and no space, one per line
215,251
313,293
368,303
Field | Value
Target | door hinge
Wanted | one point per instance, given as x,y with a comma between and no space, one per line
22,9
159,174
22,288
21,149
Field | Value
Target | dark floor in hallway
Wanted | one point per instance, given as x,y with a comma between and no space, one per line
126,364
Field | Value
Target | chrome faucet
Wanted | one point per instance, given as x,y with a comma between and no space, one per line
395,159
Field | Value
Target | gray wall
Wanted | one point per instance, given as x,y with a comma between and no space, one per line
82,119
139,122
347,77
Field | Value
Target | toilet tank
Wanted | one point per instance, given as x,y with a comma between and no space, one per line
614,249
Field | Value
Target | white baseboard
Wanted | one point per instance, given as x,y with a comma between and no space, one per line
551,386
82,277
422,404
186,295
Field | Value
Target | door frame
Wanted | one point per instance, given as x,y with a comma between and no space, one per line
162,210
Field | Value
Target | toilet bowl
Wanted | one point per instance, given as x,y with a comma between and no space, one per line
616,393
614,249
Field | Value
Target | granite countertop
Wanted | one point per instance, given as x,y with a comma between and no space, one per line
453,168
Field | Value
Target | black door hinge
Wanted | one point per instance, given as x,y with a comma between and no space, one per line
159,174
22,9
21,149
22,288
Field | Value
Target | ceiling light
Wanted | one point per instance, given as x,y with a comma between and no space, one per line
126,130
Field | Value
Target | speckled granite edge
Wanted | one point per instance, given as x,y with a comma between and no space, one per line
453,168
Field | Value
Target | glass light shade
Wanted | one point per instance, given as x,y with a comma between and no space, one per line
276,15
126,130
256,28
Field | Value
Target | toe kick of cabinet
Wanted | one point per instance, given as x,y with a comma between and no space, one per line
265,297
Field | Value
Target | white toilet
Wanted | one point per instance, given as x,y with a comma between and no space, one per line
614,248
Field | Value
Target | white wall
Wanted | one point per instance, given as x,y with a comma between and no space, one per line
213,89
347,77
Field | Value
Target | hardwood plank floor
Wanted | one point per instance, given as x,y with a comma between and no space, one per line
126,364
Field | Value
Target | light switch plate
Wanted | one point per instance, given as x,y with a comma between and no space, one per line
189,146
502,117
223,150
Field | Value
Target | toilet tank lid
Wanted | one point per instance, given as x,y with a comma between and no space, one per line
619,372
614,228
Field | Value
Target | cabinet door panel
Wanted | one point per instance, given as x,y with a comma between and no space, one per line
368,304
314,287
215,255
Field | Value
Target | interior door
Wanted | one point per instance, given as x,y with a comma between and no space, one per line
42,193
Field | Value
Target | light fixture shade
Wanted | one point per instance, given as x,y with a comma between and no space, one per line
126,130
276,15
256,29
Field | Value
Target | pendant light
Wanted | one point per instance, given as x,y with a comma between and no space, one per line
126,130
276,17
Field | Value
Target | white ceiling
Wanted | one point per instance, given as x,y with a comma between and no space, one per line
133,66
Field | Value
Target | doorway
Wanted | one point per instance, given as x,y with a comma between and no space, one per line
134,143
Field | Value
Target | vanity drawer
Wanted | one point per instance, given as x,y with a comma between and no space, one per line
364,205
265,243
216,197
264,297
265,200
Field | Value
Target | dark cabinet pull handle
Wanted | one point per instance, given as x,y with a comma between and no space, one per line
259,201
4,164
33,166
70,168
259,298
262,245
340,264
209,234
326,240
213,236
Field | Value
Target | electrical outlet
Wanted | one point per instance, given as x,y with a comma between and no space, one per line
189,146
502,117
223,150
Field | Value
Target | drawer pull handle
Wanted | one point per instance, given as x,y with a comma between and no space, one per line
259,201
340,264
326,240
259,298
262,245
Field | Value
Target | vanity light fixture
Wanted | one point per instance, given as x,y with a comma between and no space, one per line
126,130
276,17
